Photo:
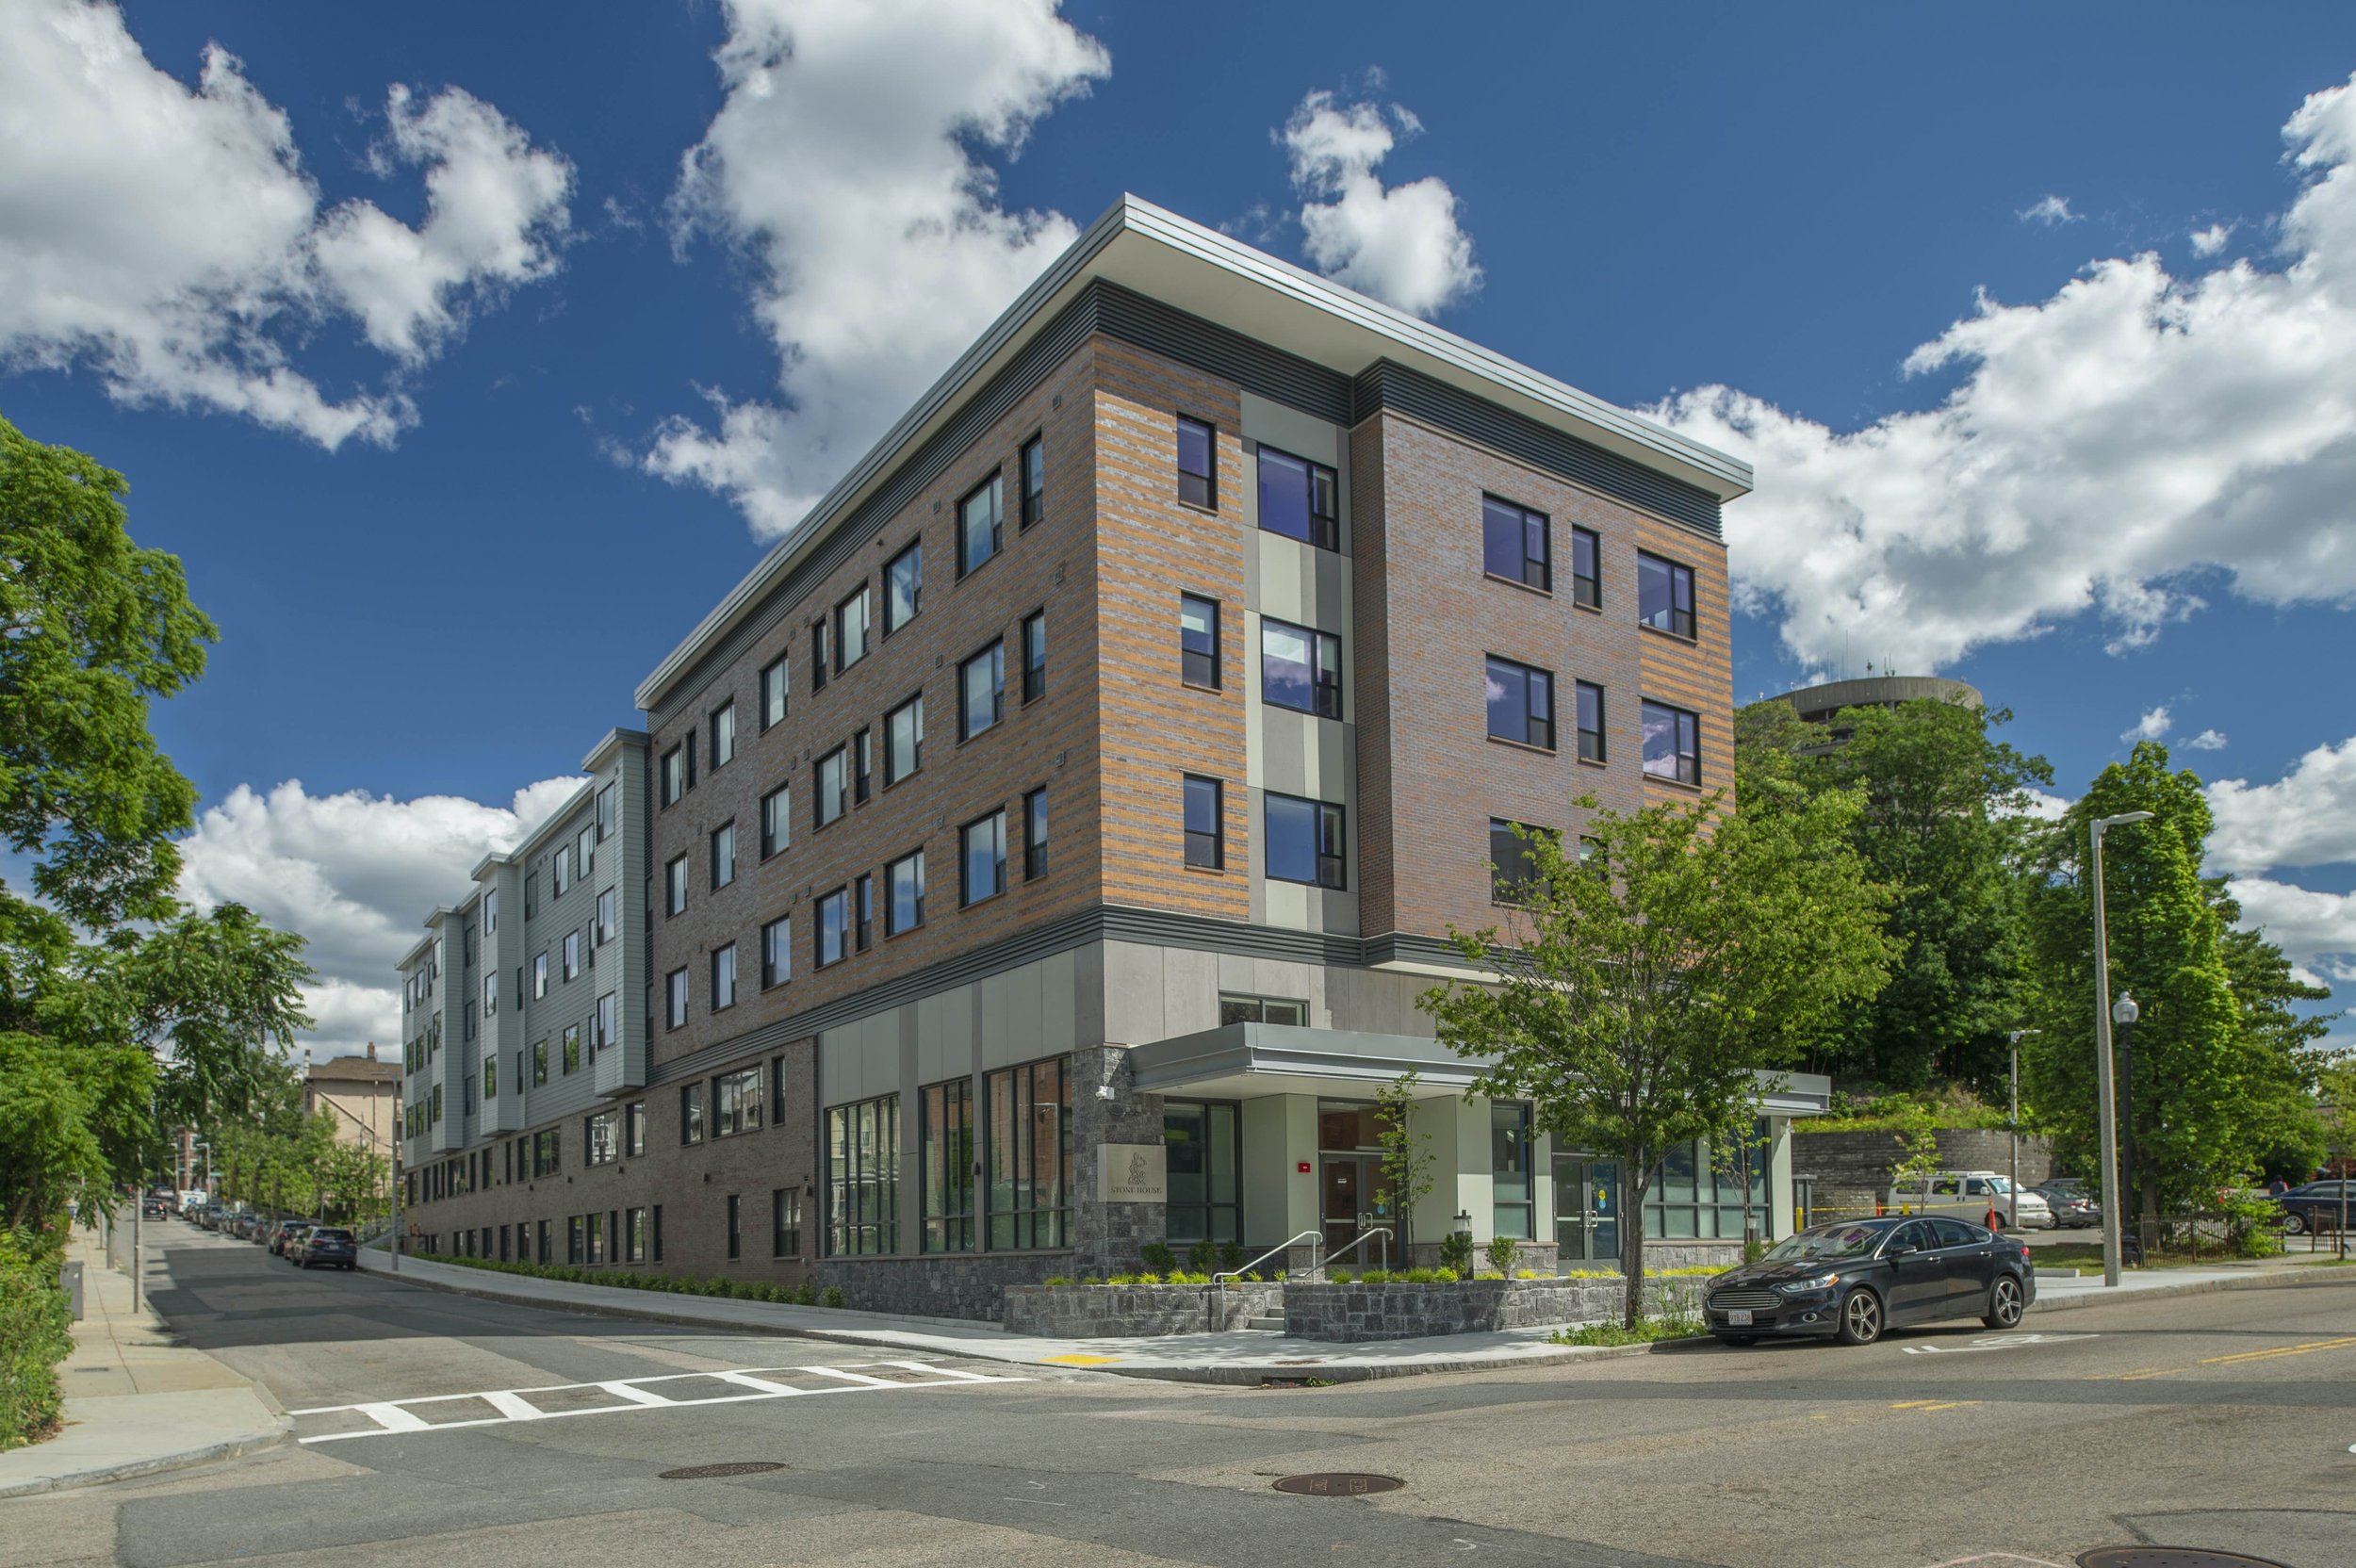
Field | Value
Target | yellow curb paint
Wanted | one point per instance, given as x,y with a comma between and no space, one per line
1077,1361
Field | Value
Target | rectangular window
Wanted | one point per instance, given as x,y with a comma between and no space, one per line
863,1178
634,1128
1301,669
785,1222
675,1000
490,994
723,736
691,1113
736,1228
722,977
1510,1168
777,683
675,886
834,926
466,944
981,527
601,1138
467,1020
569,1046
776,951
674,776
539,1061
1709,1194
1035,656
1673,746
1297,499
1521,703
903,740
1586,568
1204,1171
576,1235
603,925
1029,1157
490,911
572,954
946,1166
904,879
982,859
982,691
722,854
863,909
654,1234
560,871
850,631
1665,595
540,976
818,654
1035,834
1304,840
1590,721
490,1077
776,819
1034,481
1198,458
633,1236
904,587
862,766
1512,865
606,809
1206,822
1514,543
834,785
1197,641
736,1104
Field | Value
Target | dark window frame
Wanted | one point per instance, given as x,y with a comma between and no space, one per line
1325,695
1594,743
891,772
777,943
1017,1216
858,596
914,552
995,484
1033,636
1325,528
1205,849
1527,523
1531,723
946,1154
1683,619
776,680
1685,739
1587,587
996,650
818,927
1192,661
893,927
1035,829
1031,464
1329,823
966,895
1197,489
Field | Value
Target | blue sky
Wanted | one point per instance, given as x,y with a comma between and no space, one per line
502,489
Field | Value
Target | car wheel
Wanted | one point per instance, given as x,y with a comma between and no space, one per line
2004,1303
1860,1318
2294,1224
1738,1340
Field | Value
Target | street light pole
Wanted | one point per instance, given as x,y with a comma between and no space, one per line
2012,1175
2123,1014
2107,1110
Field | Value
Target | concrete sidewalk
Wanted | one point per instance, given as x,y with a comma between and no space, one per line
136,1400
1243,1357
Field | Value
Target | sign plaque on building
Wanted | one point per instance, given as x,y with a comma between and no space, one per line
1134,1173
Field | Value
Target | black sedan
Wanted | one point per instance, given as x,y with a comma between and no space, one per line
326,1246
1851,1280
2315,1206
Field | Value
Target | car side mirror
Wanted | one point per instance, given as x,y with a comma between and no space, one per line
1901,1249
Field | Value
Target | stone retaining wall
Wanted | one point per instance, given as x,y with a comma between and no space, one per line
1353,1313
1861,1162
952,1284
1131,1311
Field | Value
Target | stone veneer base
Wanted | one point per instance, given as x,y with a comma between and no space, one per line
1132,1312
1348,1313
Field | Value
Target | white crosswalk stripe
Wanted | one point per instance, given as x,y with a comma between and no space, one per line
387,1417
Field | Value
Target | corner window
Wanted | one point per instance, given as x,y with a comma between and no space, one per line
723,736
1033,479
776,690
1028,1112
1586,568
723,977
904,893
834,926
850,631
1297,499
1304,840
776,819
864,1177
1197,641
1514,543
904,587
1521,703
675,885
776,951
903,740
1035,656
1590,721
1673,747
1665,595
1197,477
982,691
675,1000
1035,834
722,854
983,858
834,785
1301,669
1206,822
981,527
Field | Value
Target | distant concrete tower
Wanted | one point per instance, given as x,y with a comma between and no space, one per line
1824,703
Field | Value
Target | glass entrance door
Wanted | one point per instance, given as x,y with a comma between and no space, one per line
1351,1189
1586,1210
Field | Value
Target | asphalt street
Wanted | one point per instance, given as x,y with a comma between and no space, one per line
441,1428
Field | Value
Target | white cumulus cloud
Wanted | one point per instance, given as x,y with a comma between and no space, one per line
2115,447
171,241
356,874
2213,240
2208,740
2315,931
2149,728
2305,818
842,164
2049,211
1402,244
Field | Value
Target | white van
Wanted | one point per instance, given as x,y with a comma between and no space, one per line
1973,1195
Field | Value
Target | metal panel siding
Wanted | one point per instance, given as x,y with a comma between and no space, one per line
1223,352
1385,385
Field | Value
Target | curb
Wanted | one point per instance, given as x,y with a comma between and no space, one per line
1234,1375
234,1447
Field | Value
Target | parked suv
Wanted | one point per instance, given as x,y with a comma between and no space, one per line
1982,1196
327,1246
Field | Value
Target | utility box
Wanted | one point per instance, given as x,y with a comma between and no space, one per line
70,1276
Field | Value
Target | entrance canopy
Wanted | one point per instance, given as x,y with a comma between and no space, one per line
1242,1061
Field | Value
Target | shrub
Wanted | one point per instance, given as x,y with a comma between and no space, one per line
1122,1279
1647,1331
1157,1257
1199,1257
1230,1256
1488,1275
1375,1277
806,1294
831,1296
1456,1250
1091,1279
1502,1251
1149,1279
1525,1274
1419,1276
34,1337
1337,1276
1445,1276
1053,1279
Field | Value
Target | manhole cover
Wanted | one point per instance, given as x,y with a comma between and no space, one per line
720,1472
1338,1484
2169,1556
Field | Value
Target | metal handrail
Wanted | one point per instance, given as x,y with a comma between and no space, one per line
1215,1294
1360,1240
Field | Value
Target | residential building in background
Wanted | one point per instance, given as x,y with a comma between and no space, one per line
1824,703
362,1093
1045,844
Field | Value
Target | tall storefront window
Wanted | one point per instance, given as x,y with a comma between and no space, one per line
948,1167
1029,1110
1509,1168
1699,1192
863,1178
1205,1174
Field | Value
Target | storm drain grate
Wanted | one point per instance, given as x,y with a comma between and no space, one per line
720,1472
2169,1556
1338,1484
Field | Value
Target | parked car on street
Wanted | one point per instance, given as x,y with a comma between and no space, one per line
1983,1196
2315,1206
2073,1207
328,1247
1853,1280
281,1240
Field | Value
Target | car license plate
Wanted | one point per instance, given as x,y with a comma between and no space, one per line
1739,1317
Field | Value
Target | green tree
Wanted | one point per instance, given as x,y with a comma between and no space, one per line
1640,995
1409,1165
